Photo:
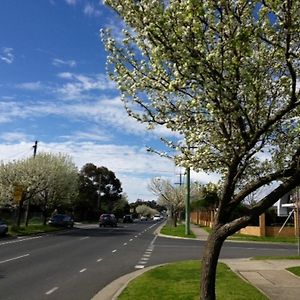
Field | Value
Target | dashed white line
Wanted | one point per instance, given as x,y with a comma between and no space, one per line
51,291
100,259
84,238
83,270
135,236
14,258
124,244
22,240
130,240
114,251
139,267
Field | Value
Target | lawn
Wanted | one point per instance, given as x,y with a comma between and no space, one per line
31,229
181,281
295,270
179,231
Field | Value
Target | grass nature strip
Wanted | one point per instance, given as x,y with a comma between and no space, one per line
179,231
181,281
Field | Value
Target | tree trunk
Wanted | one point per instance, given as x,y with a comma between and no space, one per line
209,266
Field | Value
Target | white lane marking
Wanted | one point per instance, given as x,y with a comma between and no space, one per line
145,258
124,244
130,240
84,238
139,267
135,236
14,258
147,255
114,251
51,291
21,240
100,259
83,270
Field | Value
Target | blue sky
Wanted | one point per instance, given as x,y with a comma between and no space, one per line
54,89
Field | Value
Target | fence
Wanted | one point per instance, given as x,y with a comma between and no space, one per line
206,218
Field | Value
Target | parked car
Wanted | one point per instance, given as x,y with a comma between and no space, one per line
61,220
3,228
144,218
108,219
127,219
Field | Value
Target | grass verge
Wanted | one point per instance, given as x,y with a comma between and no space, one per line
31,229
275,257
181,281
295,270
179,231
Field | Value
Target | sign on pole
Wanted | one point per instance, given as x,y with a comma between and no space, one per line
18,192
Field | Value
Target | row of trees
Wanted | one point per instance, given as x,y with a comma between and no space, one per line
173,197
47,182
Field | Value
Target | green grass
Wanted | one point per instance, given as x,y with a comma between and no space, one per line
31,229
179,231
275,257
181,281
295,270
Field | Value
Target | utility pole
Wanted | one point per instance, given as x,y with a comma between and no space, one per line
34,148
28,200
187,203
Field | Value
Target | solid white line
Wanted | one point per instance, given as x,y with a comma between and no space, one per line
22,240
100,259
51,291
83,270
14,258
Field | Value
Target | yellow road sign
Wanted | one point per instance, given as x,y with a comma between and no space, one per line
18,192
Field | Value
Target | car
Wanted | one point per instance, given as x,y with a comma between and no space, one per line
144,218
3,228
127,219
156,218
61,220
108,219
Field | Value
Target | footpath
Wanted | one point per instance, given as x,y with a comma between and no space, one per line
268,276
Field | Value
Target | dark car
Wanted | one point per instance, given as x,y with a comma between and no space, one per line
61,220
3,228
127,219
107,219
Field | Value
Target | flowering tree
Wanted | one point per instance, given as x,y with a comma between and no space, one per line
224,74
46,180
170,196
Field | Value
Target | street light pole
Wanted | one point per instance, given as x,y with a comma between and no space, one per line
187,203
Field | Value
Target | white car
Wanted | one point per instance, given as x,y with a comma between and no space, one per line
156,218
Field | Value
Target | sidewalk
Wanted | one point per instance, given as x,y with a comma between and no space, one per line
269,276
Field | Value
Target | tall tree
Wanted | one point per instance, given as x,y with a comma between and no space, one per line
224,74
99,190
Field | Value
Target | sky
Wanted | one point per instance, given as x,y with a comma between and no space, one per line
54,90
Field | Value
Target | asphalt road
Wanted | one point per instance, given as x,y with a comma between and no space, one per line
76,264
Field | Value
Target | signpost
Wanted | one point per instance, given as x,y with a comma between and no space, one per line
18,193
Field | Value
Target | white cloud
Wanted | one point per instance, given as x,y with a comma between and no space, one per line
71,2
60,62
32,86
80,85
6,55
91,10
15,137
